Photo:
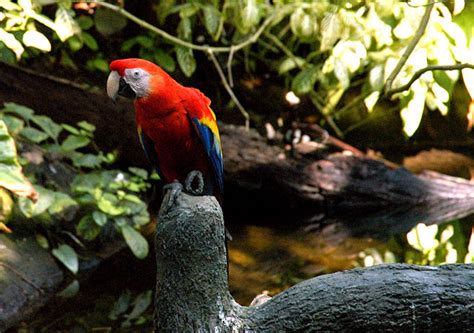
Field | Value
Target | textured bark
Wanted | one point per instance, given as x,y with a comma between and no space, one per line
192,291
28,278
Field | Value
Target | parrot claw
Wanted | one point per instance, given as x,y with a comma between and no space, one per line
171,191
188,183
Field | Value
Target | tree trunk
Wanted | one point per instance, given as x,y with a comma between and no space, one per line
192,292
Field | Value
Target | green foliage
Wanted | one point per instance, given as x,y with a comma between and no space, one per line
136,309
426,245
93,197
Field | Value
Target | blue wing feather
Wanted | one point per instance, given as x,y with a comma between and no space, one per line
213,149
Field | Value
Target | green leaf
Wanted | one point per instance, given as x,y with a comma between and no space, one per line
86,125
48,126
89,41
65,24
22,111
108,22
70,291
109,204
81,160
185,29
14,124
12,43
73,142
290,63
141,303
75,43
135,241
67,256
188,10
186,60
99,218
11,175
142,173
85,22
33,134
164,60
412,114
87,228
37,40
70,129
212,18
45,200
9,6
99,64
305,80
61,202
42,241
121,305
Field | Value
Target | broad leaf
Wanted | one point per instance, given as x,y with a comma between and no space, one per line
44,202
36,39
48,126
67,256
33,134
87,228
305,80
186,60
12,43
135,241
73,142
11,175
212,18
65,24
108,22
164,60
99,218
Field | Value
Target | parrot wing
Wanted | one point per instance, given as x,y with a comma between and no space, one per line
149,149
204,121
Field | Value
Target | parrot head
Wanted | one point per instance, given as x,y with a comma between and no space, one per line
133,78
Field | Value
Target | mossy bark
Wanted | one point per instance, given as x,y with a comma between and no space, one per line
192,291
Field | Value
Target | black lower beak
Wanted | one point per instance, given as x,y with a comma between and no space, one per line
125,90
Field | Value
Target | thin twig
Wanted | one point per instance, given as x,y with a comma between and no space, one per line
229,67
408,51
229,89
427,69
175,40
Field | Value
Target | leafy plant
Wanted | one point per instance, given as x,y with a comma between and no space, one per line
94,197
426,245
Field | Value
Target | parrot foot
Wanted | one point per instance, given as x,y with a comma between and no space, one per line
171,191
193,176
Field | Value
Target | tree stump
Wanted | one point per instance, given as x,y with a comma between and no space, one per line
192,291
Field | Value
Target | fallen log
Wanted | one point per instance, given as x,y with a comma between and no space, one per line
264,185
192,292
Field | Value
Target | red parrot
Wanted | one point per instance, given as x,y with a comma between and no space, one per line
176,127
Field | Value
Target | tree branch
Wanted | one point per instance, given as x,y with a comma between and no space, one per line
410,47
422,71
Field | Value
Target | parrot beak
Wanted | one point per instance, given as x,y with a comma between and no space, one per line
116,85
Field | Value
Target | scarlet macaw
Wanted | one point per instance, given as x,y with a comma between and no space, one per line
176,127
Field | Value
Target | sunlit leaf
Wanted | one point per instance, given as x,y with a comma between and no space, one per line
330,30
371,100
12,43
65,24
11,175
303,24
412,114
61,203
423,238
249,15
290,63
67,256
186,60
135,241
81,160
9,6
37,40
109,205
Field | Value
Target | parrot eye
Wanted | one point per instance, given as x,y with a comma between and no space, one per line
136,74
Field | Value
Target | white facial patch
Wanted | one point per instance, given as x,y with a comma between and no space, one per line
138,79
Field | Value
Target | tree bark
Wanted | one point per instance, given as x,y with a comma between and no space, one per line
192,292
